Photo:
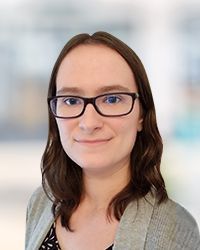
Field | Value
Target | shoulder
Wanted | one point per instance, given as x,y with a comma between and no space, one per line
172,224
148,225
39,217
38,201
176,214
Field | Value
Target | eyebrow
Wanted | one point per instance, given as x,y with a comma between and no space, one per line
69,90
112,88
104,89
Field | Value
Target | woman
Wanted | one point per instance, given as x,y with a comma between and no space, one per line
102,186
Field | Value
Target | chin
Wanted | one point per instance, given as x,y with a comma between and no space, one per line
95,165
90,165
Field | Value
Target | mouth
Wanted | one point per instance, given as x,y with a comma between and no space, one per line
92,142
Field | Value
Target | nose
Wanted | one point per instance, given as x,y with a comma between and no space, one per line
90,121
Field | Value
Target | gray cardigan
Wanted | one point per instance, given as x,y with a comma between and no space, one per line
144,225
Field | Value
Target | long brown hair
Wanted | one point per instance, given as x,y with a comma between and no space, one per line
62,178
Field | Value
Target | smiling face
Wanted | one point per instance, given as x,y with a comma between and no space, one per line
97,143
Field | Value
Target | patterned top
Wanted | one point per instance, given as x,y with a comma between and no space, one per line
51,241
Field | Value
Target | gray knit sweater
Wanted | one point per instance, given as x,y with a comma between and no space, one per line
144,225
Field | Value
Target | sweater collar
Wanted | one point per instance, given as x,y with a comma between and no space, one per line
133,226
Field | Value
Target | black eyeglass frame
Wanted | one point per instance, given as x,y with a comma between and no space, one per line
92,100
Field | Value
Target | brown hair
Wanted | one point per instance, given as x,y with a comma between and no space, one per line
62,178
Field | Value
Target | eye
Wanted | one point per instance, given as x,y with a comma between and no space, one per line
72,101
112,99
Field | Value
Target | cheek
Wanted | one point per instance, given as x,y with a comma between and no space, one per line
65,128
128,126
128,130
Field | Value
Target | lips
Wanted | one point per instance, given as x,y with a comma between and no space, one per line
92,141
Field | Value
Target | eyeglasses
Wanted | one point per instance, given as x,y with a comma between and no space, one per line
109,105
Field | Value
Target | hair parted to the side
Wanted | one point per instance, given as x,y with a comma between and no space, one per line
62,178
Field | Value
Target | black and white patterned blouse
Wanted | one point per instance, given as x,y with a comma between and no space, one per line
51,241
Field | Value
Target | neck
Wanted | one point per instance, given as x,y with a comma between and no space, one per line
99,189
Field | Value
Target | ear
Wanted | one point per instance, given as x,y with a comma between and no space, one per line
140,125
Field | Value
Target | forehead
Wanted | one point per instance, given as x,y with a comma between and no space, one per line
93,67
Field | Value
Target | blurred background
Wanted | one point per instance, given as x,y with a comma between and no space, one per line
166,36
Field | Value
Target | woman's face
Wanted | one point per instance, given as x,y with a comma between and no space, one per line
96,143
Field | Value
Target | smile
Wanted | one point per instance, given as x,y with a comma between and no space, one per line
92,142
